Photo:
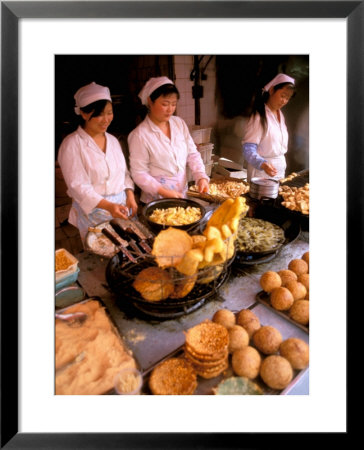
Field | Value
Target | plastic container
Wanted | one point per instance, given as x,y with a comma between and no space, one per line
206,152
200,135
69,274
128,382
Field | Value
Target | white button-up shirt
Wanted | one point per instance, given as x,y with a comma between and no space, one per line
154,156
89,173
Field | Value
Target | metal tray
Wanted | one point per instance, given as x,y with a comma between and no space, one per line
206,386
263,297
113,326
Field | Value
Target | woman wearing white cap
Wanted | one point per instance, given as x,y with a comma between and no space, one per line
93,164
161,146
266,139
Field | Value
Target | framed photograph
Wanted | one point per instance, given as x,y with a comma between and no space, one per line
31,34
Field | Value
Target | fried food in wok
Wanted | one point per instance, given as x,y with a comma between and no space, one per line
154,284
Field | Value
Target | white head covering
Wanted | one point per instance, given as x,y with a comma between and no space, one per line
89,94
150,86
278,79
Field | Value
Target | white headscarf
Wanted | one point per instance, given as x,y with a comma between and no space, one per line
150,86
90,93
278,79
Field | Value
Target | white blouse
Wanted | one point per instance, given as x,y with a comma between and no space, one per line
154,155
275,141
89,173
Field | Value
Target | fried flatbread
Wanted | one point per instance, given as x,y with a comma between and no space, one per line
170,246
207,338
154,284
175,376
183,287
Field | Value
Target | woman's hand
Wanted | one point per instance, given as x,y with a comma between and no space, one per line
131,203
269,169
169,193
116,210
203,185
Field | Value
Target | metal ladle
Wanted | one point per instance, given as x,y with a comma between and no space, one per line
72,319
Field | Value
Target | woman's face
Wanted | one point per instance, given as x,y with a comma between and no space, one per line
278,99
162,108
99,124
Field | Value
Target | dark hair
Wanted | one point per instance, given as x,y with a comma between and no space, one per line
96,108
261,99
164,90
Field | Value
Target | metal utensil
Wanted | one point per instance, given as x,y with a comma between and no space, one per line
120,243
73,319
128,230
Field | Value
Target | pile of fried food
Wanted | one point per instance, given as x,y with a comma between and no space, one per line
225,188
257,235
296,198
188,254
88,357
63,262
288,289
289,177
257,353
176,216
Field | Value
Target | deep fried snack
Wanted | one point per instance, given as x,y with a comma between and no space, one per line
224,317
270,280
246,362
300,311
287,275
237,386
207,338
298,266
170,246
175,376
297,289
296,351
267,339
281,298
276,371
238,338
304,278
176,216
183,287
154,284
248,320
306,257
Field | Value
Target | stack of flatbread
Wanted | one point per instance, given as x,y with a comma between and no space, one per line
175,376
206,348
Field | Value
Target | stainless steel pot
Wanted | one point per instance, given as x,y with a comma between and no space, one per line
263,188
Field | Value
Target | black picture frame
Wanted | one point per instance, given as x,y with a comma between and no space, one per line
11,13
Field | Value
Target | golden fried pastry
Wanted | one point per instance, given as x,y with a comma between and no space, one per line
304,278
300,311
207,338
306,257
238,338
213,372
296,351
248,320
175,376
298,266
246,362
276,372
281,298
267,339
270,280
154,284
287,275
170,246
183,286
224,317
199,357
297,289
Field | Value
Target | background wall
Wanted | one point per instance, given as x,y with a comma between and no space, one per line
229,83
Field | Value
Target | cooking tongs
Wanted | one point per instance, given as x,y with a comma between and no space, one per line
120,243
130,229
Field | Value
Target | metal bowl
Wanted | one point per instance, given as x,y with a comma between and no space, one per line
165,203
263,188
